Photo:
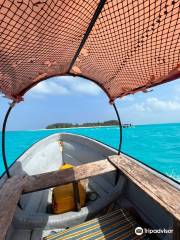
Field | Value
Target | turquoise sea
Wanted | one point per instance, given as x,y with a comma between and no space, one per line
156,145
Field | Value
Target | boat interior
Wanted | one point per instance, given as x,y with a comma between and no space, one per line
33,217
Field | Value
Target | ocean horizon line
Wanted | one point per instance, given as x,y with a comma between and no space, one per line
81,127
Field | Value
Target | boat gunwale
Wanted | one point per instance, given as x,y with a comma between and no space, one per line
163,176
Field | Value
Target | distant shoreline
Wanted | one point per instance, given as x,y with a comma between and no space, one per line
135,125
85,124
66,125
45,129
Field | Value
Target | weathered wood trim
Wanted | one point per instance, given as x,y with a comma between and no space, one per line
76,196
9,196
161,191
57,178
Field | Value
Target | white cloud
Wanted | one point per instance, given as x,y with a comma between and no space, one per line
140,107
50,88
80,85
66,85
128,98
155,104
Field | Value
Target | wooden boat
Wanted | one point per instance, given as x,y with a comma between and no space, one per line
138,186
122,46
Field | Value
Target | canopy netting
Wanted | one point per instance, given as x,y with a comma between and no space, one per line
131,46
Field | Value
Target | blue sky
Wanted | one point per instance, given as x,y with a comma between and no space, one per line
76,100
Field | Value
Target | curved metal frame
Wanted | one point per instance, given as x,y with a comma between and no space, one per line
120,142
120,128
4,137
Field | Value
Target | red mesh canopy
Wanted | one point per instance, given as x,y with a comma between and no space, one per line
132,45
